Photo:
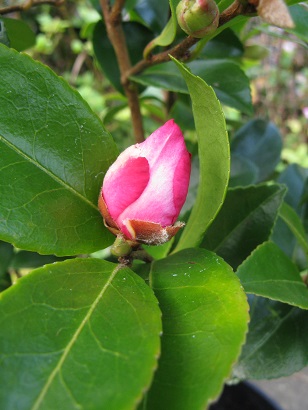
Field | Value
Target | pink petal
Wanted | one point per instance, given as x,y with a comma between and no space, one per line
181,181
124,183
164,195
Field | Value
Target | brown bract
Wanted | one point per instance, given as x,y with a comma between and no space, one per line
149,233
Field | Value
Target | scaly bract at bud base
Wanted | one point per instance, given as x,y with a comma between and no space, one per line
145,188
197,17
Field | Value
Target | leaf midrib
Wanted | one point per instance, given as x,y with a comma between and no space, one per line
74,338
48,172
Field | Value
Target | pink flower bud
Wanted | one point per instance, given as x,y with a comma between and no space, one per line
144,190
198,18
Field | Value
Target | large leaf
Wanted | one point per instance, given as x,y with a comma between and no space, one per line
261,143
54,154
80,334
137,37
214,158
269,272
245,221
205,316
276,343
227,79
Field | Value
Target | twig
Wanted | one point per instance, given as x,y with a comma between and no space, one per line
115,15
117,38
28,4
181,50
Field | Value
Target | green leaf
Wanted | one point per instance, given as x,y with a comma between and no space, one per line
243,171
276,343
137,37
19,34
224,45
299,15
168,34
245,221
290,217
25,259
182,115
294,178
205,315
261,143
80,334
270,273
154,13
214,158
54,154
227,79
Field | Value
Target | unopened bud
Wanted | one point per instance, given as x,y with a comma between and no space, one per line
145,188
198,17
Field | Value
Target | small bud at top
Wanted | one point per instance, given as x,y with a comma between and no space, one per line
198,17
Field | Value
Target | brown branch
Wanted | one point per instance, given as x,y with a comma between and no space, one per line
181,50
237,8
117,38
28,4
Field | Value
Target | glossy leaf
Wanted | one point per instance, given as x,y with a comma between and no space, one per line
260,142
214,158
54,154
290,217
204,324
225,45
137,37
294,178
270,273
153,13
227,79
19,34
77,334
276,343
245,221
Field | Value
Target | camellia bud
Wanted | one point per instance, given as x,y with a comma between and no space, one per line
145,188
197,17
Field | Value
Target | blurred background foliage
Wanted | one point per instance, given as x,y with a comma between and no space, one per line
275,61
